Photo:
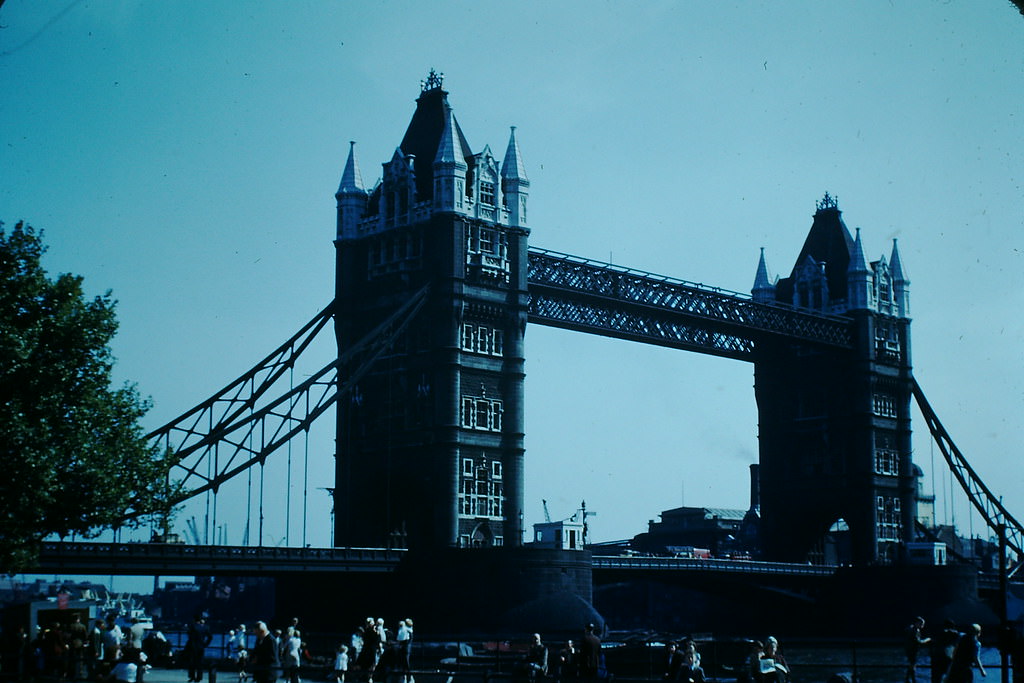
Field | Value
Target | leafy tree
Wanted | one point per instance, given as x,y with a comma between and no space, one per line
73,456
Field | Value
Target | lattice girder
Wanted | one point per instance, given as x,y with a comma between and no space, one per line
594,287
244,435
984,501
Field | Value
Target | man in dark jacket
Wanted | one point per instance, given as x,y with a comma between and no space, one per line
590,654
265,661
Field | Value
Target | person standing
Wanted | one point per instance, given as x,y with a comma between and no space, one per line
566,663
264,659
199,637
136,632
966,656
240,651
291,657
673,662
340,663
913,640
590,654
404,639
78,636
942,649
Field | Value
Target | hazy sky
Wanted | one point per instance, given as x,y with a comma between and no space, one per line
186,154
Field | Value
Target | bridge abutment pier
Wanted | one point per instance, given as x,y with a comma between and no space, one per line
508,591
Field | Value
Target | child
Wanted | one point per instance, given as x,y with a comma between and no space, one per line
340,664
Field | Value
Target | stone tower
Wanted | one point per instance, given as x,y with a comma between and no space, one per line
430,443
834,426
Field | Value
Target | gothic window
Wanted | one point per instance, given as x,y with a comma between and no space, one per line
499,343
482,339
481,414
884,288
480,495
487,193
394,253
887,462
887,344
496,469
887,516
486,241
883,404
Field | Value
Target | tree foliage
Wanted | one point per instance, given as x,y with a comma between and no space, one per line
73,456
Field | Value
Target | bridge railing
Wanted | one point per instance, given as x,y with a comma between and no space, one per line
181,558
721,565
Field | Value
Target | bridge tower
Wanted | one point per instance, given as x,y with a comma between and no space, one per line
834,426
430,444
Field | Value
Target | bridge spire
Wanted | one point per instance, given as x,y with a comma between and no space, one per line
900,283
764,290
450,168
351,196
515,186
858,278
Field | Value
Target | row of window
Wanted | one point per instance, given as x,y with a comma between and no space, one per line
887,516
484,240
481,487
482,414
887,462
481,339
481,506
471,471
465,541
394,252
883,404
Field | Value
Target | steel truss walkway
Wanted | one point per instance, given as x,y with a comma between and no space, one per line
600,298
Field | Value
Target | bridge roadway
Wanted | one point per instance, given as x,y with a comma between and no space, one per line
156,559
165,559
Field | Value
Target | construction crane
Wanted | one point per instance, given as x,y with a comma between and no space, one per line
547,515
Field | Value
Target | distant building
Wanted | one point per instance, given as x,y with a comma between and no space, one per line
563,535
715,529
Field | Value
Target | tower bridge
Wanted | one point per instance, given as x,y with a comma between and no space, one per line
435,285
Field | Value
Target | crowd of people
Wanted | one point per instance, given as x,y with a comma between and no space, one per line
105,652
954,654
373,651
573,661
76,651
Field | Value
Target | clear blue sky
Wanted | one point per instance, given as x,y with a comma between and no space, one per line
185,155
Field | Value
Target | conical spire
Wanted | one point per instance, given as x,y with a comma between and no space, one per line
351,196
900,283
450,168
763,291
858,278
896,265
858,262
512,167
449,149
351,178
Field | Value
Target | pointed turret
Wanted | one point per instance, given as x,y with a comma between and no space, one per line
515,186
900,283
450,168
764,290
858,278
351,196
